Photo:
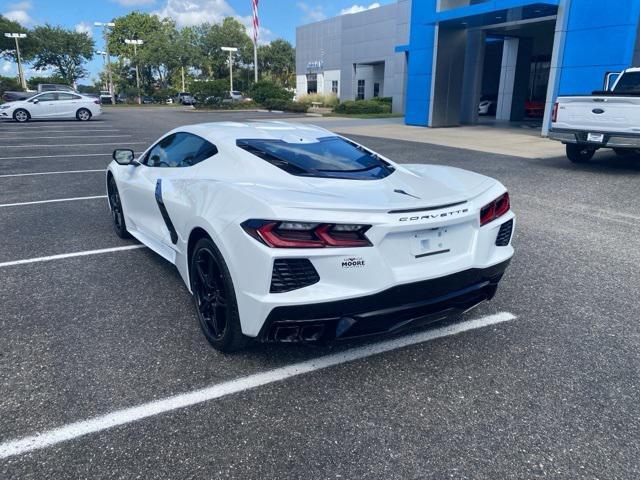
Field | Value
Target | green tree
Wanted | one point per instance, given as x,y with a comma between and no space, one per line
277,61
63,50
8,45
33,82
8,84
214,62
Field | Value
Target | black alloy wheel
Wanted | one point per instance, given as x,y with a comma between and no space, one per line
214,297
119,224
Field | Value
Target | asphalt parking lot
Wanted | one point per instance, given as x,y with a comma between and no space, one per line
550,391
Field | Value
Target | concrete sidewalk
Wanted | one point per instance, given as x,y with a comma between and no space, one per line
519,142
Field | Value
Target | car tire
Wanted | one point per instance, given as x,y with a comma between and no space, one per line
215,298
117,212
580,153
84,115
21,115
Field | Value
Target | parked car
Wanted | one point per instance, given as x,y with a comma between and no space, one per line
146,100
236,96
295,234
604,119
185,98
105,97
42,87
52,105
534,109
487,106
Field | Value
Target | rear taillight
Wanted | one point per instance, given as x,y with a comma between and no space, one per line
495,209
277,234
554,112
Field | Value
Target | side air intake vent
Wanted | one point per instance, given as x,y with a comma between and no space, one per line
504,235
292,274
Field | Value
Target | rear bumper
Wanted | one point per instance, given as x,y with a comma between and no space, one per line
394,309
611,139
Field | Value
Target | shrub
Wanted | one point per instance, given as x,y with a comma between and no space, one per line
285,105
388,100
267,90
161,95
360,107
212,88
296,107
330,101
9,84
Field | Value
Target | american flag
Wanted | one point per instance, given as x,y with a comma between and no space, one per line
256,21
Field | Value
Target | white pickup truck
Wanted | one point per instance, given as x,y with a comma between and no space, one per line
605,119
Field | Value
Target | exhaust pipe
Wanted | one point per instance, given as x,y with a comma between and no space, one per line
312,333
287,334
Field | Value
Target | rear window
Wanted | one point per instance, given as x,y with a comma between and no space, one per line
629,83
330,157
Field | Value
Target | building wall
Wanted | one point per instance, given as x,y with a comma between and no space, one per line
363,48
592,37
599,38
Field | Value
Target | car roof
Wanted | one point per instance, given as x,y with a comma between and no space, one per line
229,132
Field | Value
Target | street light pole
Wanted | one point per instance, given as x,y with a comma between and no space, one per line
105,30
135,44
16,36
104,64
231,51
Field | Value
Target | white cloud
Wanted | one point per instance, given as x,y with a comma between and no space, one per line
134,3
312,14
84,27
7,67
195,12
358,8
19,12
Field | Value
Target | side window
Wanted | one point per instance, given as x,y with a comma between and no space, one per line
67,96
180,150
47,97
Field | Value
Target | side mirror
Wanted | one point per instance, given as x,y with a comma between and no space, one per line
36,101
124,156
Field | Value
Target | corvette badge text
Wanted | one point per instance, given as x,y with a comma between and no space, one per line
435,215
353,262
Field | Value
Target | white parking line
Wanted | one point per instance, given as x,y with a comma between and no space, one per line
67,130
60,156
48,173
72,145
56,200
64,136
70,255
146,410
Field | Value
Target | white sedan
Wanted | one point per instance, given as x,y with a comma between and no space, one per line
52,105
288,233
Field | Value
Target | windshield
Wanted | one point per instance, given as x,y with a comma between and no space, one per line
628,83
331,157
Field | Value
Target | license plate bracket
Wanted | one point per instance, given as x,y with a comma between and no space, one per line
595,137
430,242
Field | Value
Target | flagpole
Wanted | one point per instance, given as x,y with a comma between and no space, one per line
255,59
256,26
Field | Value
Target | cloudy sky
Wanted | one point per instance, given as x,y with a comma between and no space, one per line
278,17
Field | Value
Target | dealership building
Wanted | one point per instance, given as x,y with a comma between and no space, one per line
438,59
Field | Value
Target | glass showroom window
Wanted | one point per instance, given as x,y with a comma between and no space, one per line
360,90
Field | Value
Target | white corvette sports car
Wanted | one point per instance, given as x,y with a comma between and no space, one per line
288,232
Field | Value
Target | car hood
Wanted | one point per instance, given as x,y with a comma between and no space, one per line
409,187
